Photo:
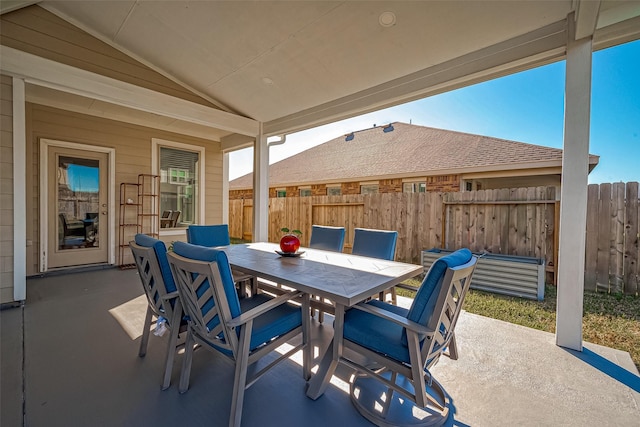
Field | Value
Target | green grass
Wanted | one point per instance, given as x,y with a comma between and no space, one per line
609,320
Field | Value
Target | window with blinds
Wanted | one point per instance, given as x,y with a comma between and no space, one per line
179,171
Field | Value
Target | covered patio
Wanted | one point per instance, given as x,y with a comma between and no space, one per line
69,357
243,73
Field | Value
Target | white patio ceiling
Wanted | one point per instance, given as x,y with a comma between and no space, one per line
294,65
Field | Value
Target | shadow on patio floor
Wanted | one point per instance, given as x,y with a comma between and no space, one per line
80,335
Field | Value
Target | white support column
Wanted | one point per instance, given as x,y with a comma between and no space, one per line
261,188
19,192
225,188
573,201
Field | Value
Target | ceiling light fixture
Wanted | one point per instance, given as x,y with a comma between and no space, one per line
387,19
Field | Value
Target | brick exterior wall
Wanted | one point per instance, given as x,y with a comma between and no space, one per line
350,188
319,190
247,194
390,186
440,183
443,183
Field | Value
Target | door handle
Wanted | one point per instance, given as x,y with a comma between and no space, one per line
104,212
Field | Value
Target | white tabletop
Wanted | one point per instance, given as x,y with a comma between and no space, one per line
343,278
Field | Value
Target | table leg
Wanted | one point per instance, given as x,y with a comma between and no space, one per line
330,359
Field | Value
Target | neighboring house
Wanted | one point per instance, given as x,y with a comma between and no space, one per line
401,157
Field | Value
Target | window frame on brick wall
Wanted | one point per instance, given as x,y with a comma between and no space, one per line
369,188
305,191
334,190
414,187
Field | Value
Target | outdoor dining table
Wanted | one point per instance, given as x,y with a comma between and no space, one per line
344,279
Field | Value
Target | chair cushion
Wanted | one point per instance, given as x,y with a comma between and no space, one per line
426,297
377,333
273,323
270,325
161,253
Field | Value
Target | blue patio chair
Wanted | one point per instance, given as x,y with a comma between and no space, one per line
329,239
243,330
401,346
209,235
162,296
376,244
218,235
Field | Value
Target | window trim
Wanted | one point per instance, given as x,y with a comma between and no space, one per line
415,186
370,184
156,143
339,187
305,188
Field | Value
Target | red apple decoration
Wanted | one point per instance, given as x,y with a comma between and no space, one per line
289,243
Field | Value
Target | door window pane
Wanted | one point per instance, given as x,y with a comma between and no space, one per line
78,202
179,186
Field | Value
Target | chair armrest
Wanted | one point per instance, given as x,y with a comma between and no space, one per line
170,296
262,308
392,317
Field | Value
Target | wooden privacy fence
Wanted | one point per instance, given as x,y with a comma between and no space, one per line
613,233
520,221
512,222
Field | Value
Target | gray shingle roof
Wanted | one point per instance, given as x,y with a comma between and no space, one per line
408,150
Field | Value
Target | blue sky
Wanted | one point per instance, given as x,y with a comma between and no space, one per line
526,107
83,178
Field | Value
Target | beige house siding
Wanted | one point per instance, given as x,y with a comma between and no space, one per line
35,30
6,190
132,146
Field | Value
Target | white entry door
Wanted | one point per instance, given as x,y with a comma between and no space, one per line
77,207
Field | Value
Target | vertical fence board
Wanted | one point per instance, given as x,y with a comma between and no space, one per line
538,228
604,229
469,217
481,243
616,275
591,247
490,220
503,225
422,219
512,215
631,243
436,239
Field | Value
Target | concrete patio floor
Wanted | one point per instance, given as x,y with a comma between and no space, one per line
69,358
